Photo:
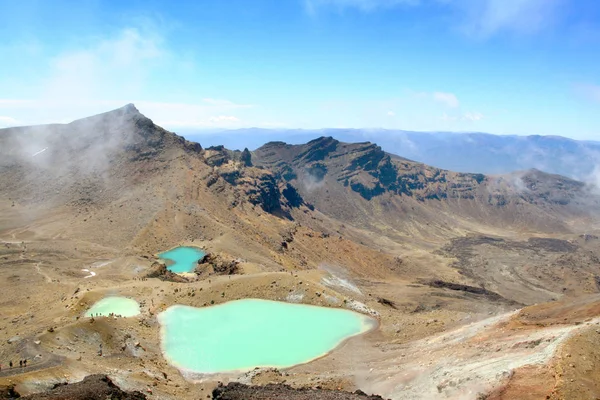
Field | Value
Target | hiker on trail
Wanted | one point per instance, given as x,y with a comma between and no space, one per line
20,363
25,362
10,364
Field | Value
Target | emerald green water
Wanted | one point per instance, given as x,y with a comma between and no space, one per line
116,305
184,258
244,334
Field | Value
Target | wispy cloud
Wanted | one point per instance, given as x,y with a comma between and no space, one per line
225,103
485,18
7,121
224,118
468,116
170,115
313,6
107,73
109,68
588,90
478,18
472,116
193,115
448,99
447,118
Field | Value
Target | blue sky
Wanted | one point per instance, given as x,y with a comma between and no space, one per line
498,66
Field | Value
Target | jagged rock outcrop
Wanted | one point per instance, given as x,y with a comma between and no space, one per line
256,186
261,189
193,146
93,387
159,270
367,170
216,156
292,196
8,393
217,264
280,391
235,176
316,171
317,149
246,158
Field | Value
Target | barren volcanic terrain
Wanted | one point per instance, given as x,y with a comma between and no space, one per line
483,286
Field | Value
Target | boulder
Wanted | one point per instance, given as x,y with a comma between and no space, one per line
217,264
159,270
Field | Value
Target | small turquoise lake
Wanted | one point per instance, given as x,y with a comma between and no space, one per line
243,334
184,259
116,305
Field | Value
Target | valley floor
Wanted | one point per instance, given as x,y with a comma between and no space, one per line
422,350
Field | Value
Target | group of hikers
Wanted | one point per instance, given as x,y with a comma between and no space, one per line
22,364
110,315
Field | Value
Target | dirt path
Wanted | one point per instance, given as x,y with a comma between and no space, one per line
28,351
39,271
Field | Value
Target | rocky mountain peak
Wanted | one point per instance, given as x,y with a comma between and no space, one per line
318,149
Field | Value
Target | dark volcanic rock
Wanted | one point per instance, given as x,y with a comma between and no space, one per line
292,196
246,158
552,245
159,270
216,156
265,193
318,149
317,171
8,393
239,391
365,169
367,157
93,387
217,264
368,190
256,186
469,289
193,146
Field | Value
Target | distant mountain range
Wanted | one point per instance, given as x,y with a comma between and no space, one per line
461,152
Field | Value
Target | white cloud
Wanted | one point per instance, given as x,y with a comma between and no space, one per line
192,115
101,74
113,67
363,5
590,91
169,115
14,103
448,118
225,103
224,118
485,18
472,116
449,99
479,18
108,73
6,122
391,113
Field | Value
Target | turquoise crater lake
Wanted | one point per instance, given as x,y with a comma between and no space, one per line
184,258
243,334
114,305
